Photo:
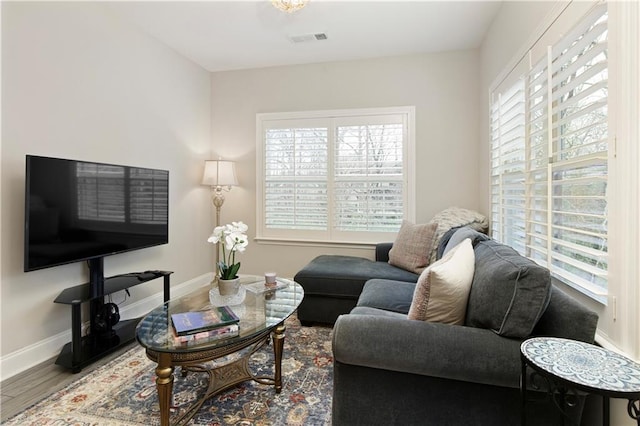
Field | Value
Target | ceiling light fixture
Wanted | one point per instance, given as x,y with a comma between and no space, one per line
289,6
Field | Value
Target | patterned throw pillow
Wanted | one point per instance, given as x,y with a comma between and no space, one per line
443,288
412,248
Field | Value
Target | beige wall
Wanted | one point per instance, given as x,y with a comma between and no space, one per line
512,29
77,83
443,87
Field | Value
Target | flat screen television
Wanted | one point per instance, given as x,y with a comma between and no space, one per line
81,210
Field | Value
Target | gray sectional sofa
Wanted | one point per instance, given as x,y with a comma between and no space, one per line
389,370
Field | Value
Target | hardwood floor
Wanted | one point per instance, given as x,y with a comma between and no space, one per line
27,388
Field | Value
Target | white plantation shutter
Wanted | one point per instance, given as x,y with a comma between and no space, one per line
549,135
508,166
296,178
579,156
333,175
538,164
368,177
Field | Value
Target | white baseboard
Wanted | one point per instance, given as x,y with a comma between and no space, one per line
39,352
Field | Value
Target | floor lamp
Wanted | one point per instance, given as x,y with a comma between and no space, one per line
220,175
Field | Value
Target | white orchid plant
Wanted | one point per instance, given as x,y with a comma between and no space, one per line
233,238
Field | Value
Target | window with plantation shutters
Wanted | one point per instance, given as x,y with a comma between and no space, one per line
549,136
334,176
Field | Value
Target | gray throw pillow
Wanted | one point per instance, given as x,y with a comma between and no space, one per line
462,234
509,292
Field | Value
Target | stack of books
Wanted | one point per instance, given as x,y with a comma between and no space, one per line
195,328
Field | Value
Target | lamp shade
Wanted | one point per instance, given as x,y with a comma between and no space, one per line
219,173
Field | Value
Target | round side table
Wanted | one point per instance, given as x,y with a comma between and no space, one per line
570,365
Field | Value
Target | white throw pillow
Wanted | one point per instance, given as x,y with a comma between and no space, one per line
442,291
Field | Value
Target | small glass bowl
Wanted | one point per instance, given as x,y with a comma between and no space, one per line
216,299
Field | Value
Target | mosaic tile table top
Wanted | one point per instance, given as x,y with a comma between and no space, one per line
585,365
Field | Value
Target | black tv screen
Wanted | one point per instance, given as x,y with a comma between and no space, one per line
80,210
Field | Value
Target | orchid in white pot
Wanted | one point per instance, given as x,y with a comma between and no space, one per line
232,238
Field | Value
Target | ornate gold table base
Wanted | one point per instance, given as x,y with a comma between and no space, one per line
220,378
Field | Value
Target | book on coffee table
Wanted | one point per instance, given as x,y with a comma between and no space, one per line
224,332
198,321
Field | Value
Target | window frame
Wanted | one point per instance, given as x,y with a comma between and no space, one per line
328,237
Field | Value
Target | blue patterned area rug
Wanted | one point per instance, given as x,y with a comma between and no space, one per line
123,391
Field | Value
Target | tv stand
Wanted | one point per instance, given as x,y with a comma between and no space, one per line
82,351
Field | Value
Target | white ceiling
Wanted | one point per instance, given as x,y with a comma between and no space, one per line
239,34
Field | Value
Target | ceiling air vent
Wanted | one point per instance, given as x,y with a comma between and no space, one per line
305,38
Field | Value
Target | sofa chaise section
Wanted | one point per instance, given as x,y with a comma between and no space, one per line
332,283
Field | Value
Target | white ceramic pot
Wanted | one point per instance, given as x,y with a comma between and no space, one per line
228,287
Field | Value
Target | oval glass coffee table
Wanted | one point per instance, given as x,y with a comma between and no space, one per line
262,314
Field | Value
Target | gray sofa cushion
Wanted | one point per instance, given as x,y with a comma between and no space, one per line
509,292
365,310
372,338
394,296
462,234
567,318
444,241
